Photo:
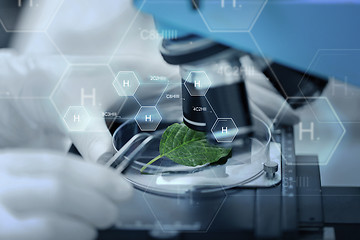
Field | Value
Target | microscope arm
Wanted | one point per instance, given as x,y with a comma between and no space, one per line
318,37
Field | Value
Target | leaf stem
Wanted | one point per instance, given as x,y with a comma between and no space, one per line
150,162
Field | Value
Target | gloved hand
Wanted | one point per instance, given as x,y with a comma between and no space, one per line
48,195
38,119
34,70
31,121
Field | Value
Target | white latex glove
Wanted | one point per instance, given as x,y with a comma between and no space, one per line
41,126
30,120
35,66
34,72
47,195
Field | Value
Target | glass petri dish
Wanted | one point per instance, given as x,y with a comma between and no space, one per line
166,177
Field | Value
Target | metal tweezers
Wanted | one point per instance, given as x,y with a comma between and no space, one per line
124,161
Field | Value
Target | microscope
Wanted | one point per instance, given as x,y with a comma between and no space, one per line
283,39
214,34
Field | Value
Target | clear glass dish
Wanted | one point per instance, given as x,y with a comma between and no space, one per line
169,178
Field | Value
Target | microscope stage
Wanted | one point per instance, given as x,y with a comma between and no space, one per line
245,168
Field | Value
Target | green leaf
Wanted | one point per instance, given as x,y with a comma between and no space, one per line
187,147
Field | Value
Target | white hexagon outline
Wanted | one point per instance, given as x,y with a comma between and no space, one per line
50,20
157,100
126,33
216,122
231,31
56,82
68,67
145,130
337,122
308,69
86,125
110,59
207,88
127,97
116,80
221,204
197,231
315,57
118,113
162,94
261,54
313,61
222,187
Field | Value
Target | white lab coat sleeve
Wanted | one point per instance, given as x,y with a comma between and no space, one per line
81,28
27,117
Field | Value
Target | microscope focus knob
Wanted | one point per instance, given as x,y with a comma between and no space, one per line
270,168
